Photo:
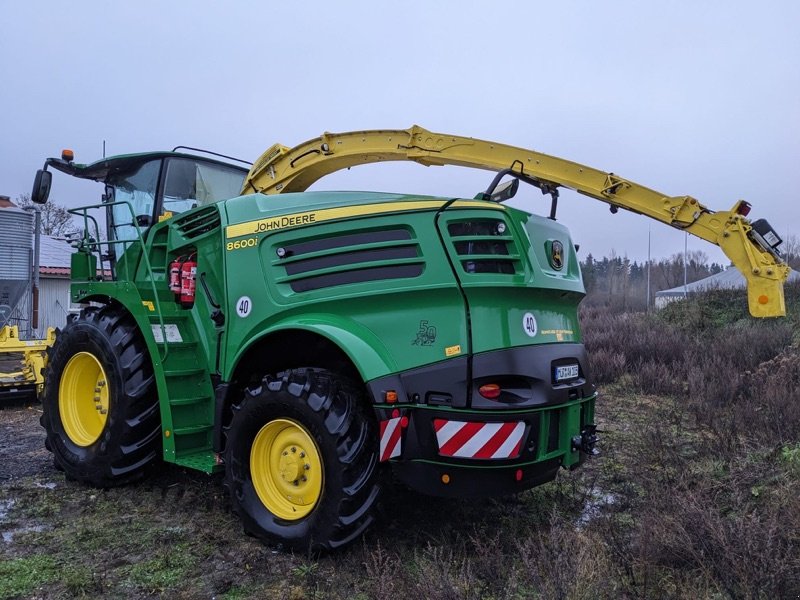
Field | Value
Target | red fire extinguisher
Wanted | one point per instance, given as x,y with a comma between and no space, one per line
188,284
175,277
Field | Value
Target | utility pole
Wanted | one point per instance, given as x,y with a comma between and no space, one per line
647,305
685,262
37,234
33,313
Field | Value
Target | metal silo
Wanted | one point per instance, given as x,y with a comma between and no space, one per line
16,257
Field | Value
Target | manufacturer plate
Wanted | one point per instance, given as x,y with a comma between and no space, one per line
566,372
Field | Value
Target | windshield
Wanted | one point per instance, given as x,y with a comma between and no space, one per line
138,188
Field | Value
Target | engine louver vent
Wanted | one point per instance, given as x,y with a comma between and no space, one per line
358,257
484,247
198,222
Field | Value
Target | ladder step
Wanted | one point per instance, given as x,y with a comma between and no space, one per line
204,460
188,400
171,318
180,345
190,429
184,372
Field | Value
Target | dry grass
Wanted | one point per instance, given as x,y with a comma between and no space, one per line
696,495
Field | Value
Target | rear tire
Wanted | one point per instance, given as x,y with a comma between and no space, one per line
319,502
100,409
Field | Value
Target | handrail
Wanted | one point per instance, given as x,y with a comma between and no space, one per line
83,211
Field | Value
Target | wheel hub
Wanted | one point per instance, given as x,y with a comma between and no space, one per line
291,465
286,469
83,399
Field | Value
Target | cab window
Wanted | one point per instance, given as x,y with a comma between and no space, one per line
137,188
190,183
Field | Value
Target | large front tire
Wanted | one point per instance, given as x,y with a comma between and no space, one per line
100,409
301,458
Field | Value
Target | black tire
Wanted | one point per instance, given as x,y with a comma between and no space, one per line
130,439
332,410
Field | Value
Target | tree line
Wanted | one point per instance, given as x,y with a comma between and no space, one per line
618,281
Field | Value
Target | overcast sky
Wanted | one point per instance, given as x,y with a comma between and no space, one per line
698,98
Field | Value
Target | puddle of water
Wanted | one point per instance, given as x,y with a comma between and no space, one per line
5,507
594,505
8,536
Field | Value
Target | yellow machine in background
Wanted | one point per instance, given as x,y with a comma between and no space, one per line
21,362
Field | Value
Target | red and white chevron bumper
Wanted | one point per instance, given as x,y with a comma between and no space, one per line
465,439
391,438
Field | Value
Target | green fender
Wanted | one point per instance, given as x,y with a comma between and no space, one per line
127,296
366,351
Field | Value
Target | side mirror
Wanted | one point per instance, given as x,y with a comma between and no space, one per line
505,191
144,220
41,186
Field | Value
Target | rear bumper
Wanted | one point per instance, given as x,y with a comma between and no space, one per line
469,482
431,464
490,448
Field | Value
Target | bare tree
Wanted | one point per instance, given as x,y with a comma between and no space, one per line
56,221
790,249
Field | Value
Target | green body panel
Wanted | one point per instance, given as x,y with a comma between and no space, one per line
497,302
385,324
349,312
83,266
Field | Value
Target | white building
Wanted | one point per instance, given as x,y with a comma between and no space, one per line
731,278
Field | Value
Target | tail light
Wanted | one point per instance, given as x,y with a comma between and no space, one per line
490,391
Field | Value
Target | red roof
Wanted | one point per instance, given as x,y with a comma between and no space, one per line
54,271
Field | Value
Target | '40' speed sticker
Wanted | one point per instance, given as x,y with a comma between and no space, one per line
529,324
243,306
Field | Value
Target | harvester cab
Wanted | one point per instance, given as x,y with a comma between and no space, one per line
305,342
142,189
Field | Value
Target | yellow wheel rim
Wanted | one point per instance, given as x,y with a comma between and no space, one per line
83,399
286,469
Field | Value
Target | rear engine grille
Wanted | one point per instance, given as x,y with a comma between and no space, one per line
483,246
199,222
360,257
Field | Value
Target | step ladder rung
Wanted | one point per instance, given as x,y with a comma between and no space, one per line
183,372
188,400
190,429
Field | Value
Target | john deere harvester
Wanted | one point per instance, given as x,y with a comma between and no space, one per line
303,341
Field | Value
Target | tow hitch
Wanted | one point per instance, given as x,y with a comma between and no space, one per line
586,441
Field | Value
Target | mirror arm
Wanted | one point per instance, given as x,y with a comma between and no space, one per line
545,187
553,191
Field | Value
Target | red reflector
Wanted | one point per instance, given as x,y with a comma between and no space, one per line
395,413
743,208
404,422
518,475
490,391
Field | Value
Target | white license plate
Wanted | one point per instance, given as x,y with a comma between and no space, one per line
566,372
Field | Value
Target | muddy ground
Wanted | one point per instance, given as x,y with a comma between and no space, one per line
173,535
663,513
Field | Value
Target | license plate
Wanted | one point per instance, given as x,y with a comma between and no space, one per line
566,372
